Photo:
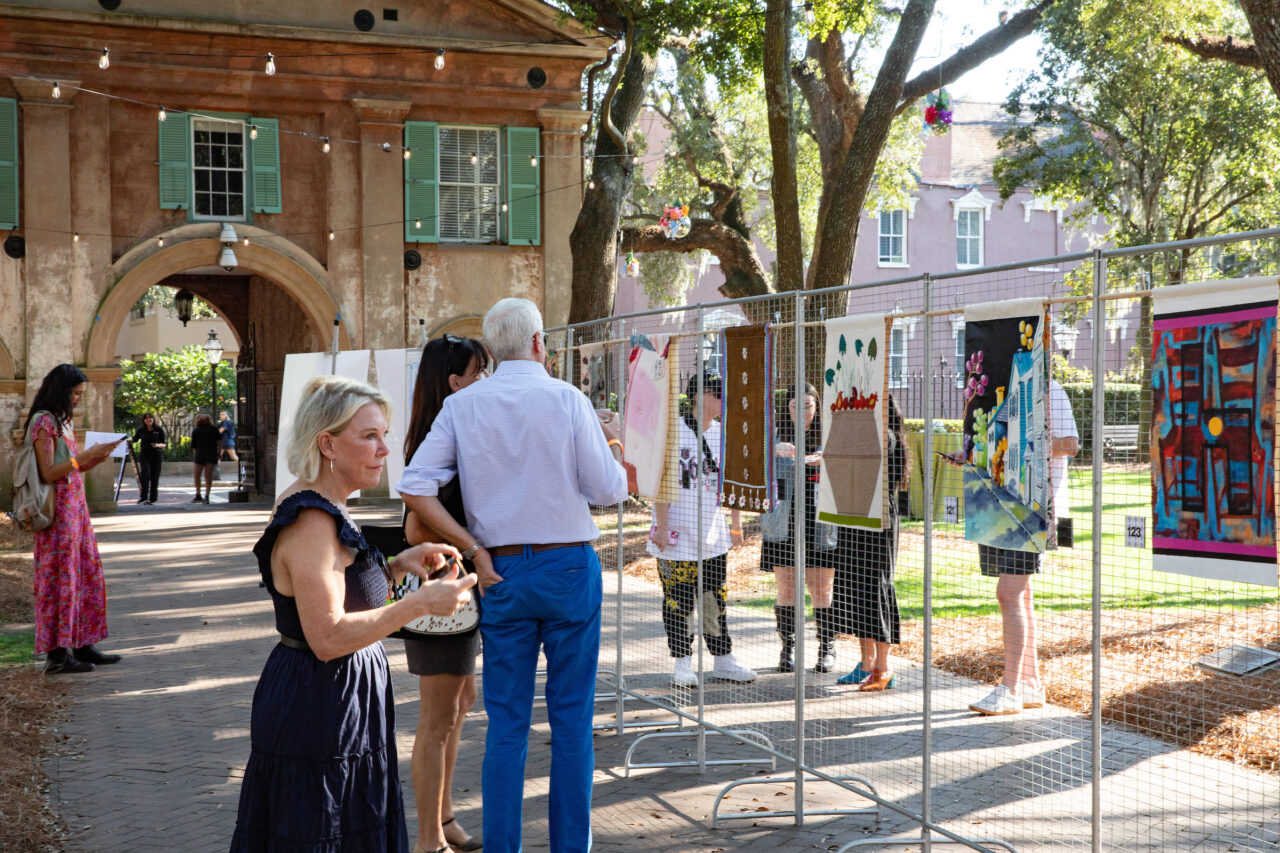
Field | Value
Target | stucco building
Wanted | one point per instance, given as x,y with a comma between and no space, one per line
399,163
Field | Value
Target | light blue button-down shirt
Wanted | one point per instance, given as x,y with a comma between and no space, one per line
529,455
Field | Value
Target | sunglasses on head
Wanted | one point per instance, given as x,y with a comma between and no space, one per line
452,339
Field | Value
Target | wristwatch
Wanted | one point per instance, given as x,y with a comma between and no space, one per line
468,553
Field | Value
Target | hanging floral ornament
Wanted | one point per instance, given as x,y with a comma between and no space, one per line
937,112
633,265
675,221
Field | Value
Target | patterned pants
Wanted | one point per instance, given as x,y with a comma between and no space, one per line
679,594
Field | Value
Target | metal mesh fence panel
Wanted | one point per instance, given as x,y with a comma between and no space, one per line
1081,697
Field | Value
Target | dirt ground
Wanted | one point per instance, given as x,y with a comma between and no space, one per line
1150,682
31,706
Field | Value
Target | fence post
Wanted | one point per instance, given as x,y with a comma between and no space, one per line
620,707
926,734
798,541
697,597
1095,710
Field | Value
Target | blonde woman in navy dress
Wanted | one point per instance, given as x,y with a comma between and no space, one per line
323,775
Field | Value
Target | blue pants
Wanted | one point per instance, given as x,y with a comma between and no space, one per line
549,599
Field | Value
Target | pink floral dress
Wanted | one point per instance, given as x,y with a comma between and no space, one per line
71,596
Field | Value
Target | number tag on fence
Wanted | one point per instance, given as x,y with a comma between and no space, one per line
951,509
1135,531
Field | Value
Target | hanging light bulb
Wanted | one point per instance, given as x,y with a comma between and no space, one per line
253,131
104,61
246,241
271,65
331,236
160,242
326,146
417,224
408,152
474,158
439,63
75,238
808,14
635,159
533,161
504,207
57,90
587,159
163,114
591,185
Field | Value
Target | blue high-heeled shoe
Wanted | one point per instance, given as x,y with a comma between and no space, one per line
854,677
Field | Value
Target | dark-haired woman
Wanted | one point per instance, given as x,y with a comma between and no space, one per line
445,664
151,441
873,602
204,452
70,594
822,542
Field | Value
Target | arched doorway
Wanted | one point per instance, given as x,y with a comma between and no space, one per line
276,299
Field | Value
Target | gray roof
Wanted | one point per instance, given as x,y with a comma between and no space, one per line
976,128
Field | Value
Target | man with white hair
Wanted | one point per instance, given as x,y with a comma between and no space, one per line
530,456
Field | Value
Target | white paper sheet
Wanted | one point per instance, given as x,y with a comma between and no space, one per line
91,438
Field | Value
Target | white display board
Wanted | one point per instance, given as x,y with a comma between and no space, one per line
299,369
397,372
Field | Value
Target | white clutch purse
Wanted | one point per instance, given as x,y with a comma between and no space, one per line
464,619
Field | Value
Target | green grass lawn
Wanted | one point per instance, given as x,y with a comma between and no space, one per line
15,647
1128,580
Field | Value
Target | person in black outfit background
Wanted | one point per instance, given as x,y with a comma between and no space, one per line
204,447
151,440
445,664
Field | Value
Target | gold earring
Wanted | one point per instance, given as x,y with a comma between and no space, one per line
330,465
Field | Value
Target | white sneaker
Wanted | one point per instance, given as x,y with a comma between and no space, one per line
1032,697
684,676
728,669
1000,701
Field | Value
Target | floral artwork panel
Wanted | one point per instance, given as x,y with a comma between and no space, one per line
1213,390
851,488
1007,499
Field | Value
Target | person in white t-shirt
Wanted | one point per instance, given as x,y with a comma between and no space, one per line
1021,686
673,540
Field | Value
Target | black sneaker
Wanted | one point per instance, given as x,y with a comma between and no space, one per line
61,660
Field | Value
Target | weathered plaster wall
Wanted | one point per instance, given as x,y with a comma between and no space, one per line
491,273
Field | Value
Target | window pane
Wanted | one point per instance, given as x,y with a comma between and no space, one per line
218,137
202,180
235,182
219,181
219,157
202,204
202,155
235,158
235,205
219,205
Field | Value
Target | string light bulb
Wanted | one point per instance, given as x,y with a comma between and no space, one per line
474,158
533,161
104,61
504,207
331,236
635,159
808,14
160,242
417,224
163,115
246,241
325,147
57,90
271,65
408,152
75,238
591,185
253,131
439,62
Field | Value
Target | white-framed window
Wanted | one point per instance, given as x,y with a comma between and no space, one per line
218,170
969,237
893,238
898,357
957,330
470,190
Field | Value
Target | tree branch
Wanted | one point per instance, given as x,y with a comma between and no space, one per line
1227,48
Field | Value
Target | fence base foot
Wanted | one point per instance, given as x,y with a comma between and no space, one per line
743,737
716,817
971,843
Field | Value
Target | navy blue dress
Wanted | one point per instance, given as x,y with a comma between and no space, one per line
322,775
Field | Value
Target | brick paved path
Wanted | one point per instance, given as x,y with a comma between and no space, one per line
157,743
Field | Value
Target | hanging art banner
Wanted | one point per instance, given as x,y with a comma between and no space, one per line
592,375
851,490
299,369
1007,499
645,421
746,443
669,485
1213,399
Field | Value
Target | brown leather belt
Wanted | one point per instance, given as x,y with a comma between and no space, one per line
511,550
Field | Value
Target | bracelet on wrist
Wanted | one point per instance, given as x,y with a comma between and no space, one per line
75,463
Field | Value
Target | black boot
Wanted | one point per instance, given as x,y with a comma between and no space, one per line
89,654
786,619
62,660
826,640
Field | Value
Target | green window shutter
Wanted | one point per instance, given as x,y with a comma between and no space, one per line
8,164
421,183
264,158
175,162
524,196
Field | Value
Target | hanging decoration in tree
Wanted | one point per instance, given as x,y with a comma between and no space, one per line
633,265
937,112
675,221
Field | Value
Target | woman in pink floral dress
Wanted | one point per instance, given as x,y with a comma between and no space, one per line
71,597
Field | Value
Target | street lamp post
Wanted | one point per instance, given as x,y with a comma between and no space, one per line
213,353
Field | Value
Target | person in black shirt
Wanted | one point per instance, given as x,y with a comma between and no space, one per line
204,446
151,442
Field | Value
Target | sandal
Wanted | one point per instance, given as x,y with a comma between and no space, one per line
879,680
444,849
468,842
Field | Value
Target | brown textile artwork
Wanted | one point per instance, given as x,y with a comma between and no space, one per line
746,451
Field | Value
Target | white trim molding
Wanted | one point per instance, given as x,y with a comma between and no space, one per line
909,207
972,199
1040,203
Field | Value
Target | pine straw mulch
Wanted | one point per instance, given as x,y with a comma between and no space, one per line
1150,682
30,706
